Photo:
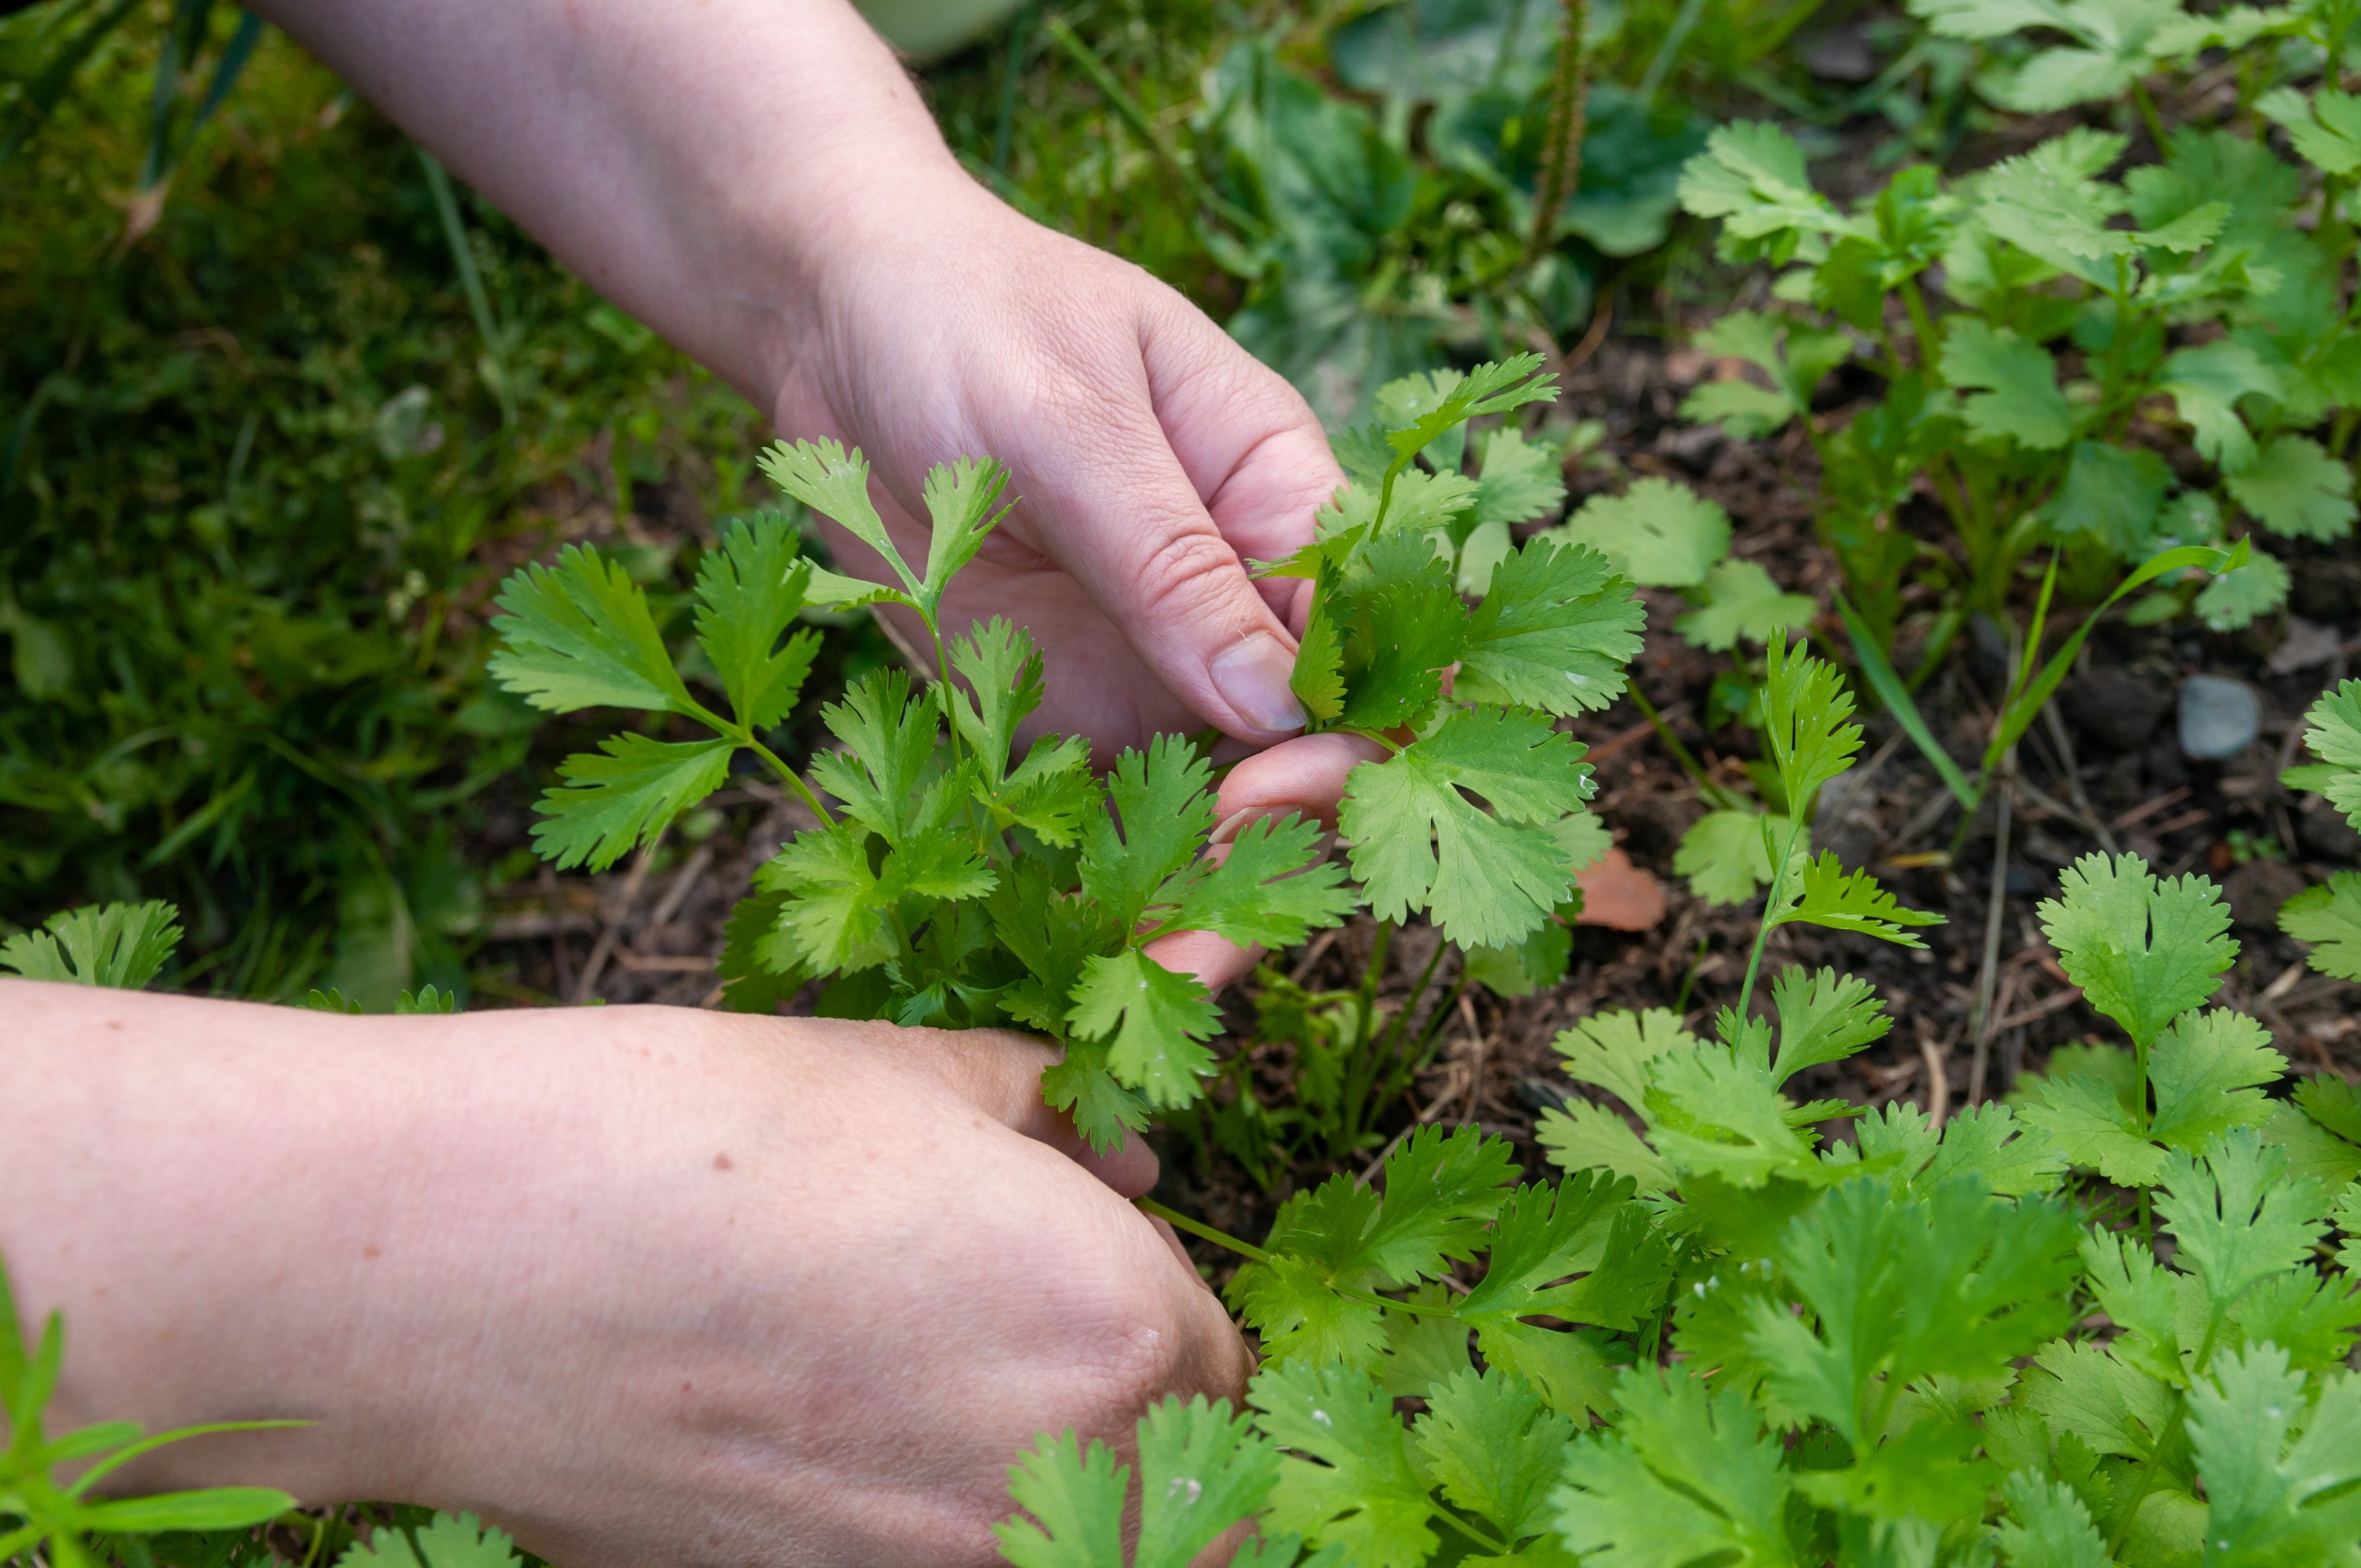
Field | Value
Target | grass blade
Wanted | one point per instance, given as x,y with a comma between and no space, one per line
1891,690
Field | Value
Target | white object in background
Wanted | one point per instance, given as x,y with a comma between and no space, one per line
927,29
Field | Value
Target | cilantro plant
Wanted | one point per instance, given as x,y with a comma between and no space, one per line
1723,1336
2083,320
2329,916
951,877
1439,636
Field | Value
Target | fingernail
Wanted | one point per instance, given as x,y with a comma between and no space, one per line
1251,676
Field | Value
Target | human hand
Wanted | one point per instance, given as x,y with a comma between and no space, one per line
644,1285
1148,452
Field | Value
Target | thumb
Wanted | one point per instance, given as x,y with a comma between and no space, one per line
1203,460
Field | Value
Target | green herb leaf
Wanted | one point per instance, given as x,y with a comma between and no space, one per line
579,635
1554,631
1658,533
748,595
119,945
625,794
2143,950
1420,842
1154,1022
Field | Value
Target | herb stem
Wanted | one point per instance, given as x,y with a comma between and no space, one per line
792,779
1770,912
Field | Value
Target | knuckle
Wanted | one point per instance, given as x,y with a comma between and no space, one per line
1186,574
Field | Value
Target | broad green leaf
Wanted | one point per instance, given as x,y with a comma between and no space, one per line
1002,670
1203,1469
2206,383
1407,627
121,945
2237,598
2144,950
1903,1288
579,635
1686,1476
625,794
2092,1392
1612,1050
2296,489
1713,1114
838,914
1418,842
446,1541
1742,601
1156,1023
1827,895
2049,204
2015,395
2278,1467
2112,494
1658,533
886,734
2047,1526
835,484
1270,888
2237,1217
757,968
1297,1316
1554,631
2332,732
1494,1448
1488,388
1347,1479
748,595
1079,1083
1159,810
2206,1069
1726,855
1517,482
1072,1500
1751,177
1318,677
1583,1135
2324,129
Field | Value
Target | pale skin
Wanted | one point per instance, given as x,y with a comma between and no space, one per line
655,1286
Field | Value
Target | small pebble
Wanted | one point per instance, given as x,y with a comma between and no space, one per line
2219,718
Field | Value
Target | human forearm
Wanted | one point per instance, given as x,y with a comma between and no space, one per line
690,162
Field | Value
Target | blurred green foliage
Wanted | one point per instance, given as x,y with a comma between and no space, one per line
255,484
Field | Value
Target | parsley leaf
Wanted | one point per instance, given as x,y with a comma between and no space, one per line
1516,481
1493,1448
579,635
1658,533
2144,950
446,1541
119,945
2278,1469
2014,383
2296,489
1202,1470
1347,1479
625,794
1554,631
1265,890
1420,842
1159,810
2329,917
1154,1022
748,595
1687,1475
1827,895
1726,855
1406,628
1804,707
1742,601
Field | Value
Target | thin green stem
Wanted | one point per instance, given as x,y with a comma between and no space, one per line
788,775
1203,1231
1921,323
1681,754
2148,113
1770,912
1482,1538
